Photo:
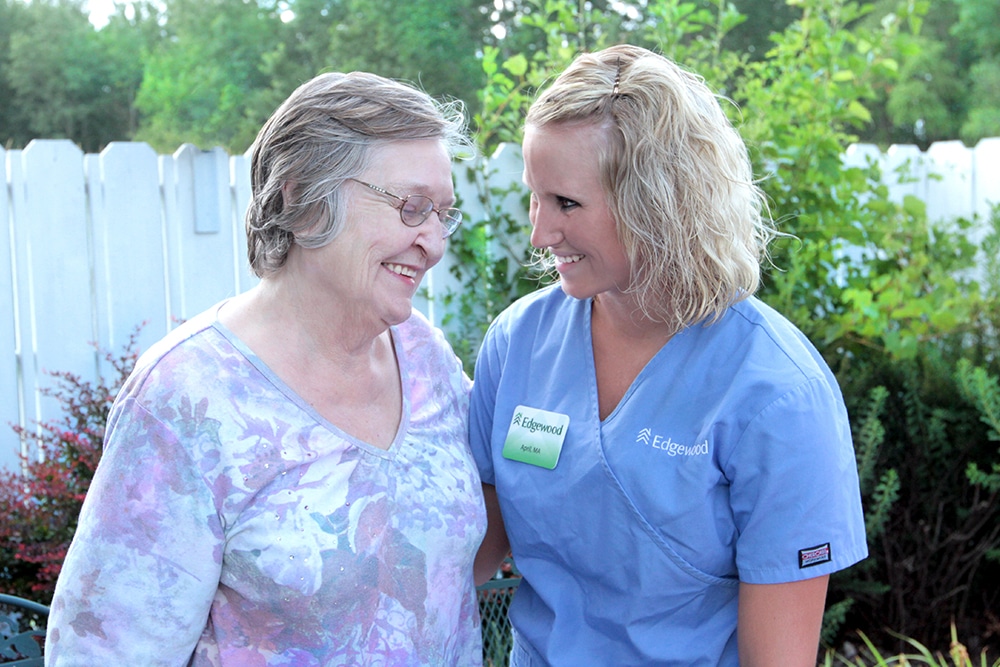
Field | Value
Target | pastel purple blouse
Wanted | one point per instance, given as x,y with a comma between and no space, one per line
230,524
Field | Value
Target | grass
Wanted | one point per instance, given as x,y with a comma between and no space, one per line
958,656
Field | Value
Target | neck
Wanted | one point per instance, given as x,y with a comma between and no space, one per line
620,316
283,317
347,373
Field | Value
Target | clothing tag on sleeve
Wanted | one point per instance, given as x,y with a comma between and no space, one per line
814,555
535,436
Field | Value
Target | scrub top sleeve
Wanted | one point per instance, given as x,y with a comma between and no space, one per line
794,489
489,369
144,565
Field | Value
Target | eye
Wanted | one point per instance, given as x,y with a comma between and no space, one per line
566,204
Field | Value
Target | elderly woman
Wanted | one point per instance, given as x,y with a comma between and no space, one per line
671,458
286,477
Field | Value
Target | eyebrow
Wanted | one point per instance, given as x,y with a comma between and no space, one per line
426,191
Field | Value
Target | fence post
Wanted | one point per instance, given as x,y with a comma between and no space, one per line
54,271
129,248
10,377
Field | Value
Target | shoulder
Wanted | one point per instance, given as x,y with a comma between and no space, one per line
772,337
196,347
539,310
760,365
424,347
530,330
417,333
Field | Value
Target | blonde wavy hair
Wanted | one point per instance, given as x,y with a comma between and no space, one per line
322,135
677,177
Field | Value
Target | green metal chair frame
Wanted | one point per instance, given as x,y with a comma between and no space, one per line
22,631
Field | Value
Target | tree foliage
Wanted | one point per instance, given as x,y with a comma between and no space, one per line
210,72
62,78
200,80
975,33
430,43
948,84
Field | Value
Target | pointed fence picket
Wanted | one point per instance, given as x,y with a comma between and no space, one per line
93,245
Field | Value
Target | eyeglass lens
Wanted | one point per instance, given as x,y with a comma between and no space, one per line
416,208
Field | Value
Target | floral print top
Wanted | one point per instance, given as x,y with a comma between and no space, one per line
230,524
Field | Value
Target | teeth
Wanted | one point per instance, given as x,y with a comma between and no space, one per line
401,270
568,259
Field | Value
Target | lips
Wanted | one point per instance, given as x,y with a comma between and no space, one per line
568,259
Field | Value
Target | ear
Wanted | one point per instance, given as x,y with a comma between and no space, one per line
287,192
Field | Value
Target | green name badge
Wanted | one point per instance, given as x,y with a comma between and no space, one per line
535,436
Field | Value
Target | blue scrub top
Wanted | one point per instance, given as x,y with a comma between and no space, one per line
729,459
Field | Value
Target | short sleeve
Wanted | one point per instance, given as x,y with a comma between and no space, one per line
794,489
489,370
443,362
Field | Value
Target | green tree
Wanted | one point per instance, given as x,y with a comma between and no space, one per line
976,31
130,35
949,80
925,101
928,101
431,43
62,78
976,26
304,48
198,83
14,130
527,27
762,19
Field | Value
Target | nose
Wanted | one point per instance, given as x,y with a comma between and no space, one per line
544,230
430,240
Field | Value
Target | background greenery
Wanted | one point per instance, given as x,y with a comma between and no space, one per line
210,72
904,308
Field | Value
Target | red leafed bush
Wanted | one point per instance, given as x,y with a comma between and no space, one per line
39,504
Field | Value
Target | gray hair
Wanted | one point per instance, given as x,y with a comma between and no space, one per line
676,175
322,135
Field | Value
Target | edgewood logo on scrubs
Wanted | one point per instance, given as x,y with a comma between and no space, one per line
529,424
672,448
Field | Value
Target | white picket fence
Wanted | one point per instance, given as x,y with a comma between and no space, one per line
97,244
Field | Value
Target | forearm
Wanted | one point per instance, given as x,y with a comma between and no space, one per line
495,546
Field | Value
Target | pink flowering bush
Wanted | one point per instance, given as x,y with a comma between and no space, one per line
39,504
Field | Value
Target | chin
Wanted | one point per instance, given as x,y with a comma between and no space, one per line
398,315
576,291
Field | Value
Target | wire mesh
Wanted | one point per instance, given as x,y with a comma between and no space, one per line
494,601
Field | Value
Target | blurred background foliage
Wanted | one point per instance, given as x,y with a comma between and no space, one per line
209,72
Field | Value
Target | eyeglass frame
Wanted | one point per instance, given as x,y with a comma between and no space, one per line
455,217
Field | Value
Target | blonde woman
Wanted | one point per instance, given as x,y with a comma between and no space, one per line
668,458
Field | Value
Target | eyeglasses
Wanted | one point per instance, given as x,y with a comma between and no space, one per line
414,209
